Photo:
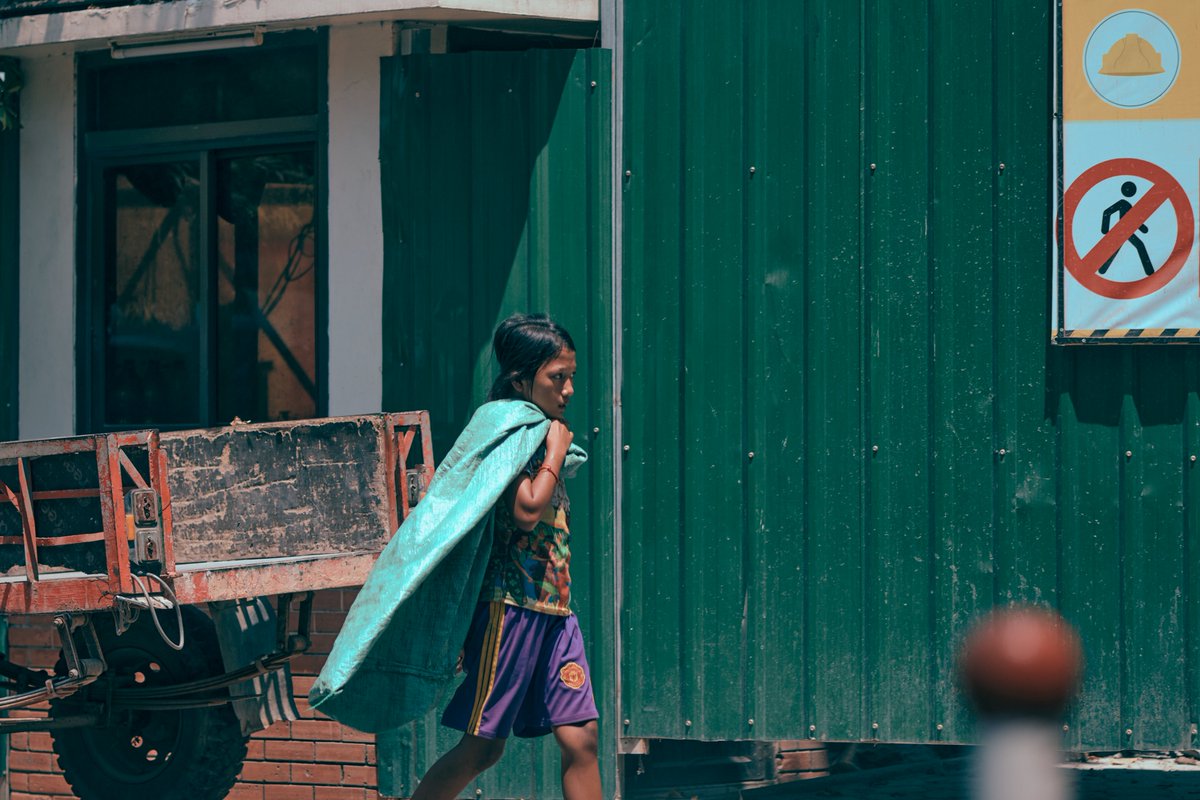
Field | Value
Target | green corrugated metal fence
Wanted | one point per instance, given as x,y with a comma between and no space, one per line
497,198
848,433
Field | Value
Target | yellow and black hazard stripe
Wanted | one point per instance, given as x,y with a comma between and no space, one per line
489,658
1129,334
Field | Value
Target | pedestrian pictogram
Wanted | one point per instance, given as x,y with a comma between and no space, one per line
1119,209
1120,225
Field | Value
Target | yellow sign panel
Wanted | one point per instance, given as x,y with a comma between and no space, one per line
1123,63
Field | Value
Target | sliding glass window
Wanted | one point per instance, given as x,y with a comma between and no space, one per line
202,263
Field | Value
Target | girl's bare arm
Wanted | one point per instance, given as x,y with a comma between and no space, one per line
531,495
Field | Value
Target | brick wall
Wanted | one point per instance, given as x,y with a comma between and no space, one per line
800,759
310,759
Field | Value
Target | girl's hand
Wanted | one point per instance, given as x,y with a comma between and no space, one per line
531,494
558,440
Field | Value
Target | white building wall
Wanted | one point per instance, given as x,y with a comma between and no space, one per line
47,213
355,230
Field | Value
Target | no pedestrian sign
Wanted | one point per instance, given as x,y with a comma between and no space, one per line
1127,265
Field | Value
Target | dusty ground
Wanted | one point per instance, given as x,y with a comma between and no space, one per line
1109,779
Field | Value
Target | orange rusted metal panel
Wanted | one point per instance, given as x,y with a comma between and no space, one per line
86,482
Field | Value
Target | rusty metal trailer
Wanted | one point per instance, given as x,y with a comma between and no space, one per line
120,537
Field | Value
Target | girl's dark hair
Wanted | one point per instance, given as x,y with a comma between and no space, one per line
523,343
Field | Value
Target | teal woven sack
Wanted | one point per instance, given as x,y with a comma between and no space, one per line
397,650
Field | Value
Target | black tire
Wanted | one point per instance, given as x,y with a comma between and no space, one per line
194,754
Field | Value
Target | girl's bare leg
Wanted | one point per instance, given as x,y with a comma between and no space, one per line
446,779
580,765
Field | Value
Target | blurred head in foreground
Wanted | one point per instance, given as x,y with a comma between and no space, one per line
1022,661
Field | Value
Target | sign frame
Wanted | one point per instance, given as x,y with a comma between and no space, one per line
1182,258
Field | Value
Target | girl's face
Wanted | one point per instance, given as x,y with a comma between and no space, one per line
552,385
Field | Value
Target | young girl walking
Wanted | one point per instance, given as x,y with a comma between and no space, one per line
526,672
483,557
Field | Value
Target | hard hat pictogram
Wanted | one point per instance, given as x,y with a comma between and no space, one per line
1131,59
1131,56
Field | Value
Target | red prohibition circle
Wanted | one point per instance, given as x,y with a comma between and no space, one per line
1164,188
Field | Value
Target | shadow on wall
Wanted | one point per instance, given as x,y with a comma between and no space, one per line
1111,385
467,177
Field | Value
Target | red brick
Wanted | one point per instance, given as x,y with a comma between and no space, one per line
351,735
802,761
48,783
18,741
327,622
302,684
277,730
308,665
40,741
328,601
281,792
342,753
18,781
370,754
39,657
285,750
24,713
321,643
328,774
254,750
45,636
358,776
30,762
341,793
265,772
320,730
280,730
246,791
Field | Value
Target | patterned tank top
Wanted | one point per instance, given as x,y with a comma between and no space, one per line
531,569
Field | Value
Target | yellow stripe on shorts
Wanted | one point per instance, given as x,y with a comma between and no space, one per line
489,658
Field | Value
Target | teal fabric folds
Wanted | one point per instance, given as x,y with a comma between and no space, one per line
397,650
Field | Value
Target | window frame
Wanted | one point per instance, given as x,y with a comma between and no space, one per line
99,150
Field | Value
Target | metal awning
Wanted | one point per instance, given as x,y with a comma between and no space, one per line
33,23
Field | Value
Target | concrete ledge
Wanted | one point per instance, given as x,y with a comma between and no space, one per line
100,26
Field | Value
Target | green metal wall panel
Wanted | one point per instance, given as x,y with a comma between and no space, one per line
836,257
497,199
9,283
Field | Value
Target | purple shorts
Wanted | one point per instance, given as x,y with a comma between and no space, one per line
526,674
